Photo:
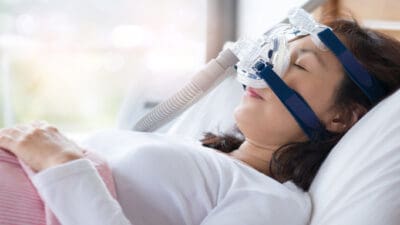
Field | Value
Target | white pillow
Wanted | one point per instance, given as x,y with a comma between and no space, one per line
359,183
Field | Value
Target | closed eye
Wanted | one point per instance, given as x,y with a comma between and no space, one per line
299,66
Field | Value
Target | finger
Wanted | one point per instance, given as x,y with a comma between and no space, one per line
6,142
23,128
51,128
10,132
44,125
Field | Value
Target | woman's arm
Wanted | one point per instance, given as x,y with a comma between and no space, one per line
39,145
76,195
68,183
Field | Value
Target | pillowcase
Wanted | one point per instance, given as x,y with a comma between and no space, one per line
359,183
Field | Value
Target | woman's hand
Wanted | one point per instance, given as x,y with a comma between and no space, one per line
39,145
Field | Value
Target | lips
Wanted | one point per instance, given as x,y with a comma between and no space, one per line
253,93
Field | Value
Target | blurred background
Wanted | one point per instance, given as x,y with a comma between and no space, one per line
72,62
83,64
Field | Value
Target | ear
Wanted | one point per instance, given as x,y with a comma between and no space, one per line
343,119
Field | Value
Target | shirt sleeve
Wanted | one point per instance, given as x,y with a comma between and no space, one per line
76,194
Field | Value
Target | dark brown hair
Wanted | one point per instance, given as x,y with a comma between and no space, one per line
299,162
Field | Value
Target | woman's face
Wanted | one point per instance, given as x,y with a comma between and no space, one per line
314,74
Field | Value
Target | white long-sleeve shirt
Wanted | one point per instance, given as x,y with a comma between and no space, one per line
164,181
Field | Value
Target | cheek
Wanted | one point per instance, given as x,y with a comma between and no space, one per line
266,121
318,93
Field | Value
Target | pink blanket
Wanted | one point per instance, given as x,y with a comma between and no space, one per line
20,203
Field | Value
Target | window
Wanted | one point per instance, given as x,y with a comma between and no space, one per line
72,62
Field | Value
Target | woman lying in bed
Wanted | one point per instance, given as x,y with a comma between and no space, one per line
258,180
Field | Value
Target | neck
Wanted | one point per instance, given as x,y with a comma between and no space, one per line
254,155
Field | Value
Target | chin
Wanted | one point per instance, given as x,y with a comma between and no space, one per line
238,113
243,119
246,110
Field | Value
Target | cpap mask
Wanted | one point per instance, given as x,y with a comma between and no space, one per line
262,63
273,48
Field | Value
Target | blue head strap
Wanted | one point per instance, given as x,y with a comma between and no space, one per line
357,73
296,105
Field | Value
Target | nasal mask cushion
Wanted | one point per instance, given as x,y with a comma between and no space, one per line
272,49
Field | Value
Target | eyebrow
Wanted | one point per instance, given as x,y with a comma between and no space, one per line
306,50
